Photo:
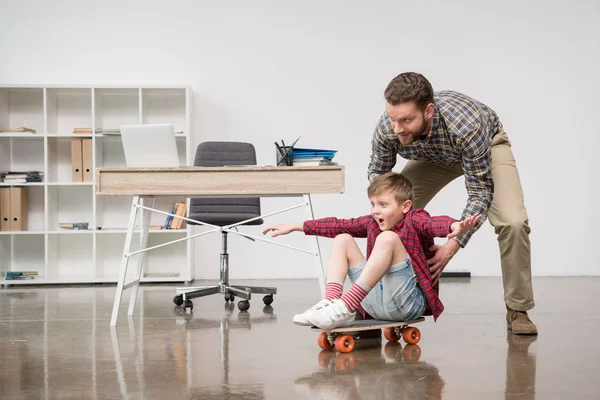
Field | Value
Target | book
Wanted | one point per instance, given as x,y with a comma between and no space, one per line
74,225
21,176
21,129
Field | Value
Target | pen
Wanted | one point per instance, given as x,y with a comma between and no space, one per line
279,149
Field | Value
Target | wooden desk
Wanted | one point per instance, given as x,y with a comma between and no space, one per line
144,184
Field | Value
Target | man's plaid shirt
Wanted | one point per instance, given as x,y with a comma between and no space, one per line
416,230
461,132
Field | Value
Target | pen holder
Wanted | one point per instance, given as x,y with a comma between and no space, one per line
283,155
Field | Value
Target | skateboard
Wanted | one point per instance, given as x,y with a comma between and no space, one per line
342,339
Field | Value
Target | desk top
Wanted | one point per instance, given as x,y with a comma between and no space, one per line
261,181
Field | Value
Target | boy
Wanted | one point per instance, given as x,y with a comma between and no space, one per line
393,283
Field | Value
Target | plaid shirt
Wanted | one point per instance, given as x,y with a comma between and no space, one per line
416,230
461,132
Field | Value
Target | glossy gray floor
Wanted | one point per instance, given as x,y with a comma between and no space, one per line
57,343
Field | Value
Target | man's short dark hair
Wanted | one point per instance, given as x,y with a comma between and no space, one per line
407,87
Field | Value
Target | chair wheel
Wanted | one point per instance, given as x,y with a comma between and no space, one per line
178,300
268,299
188,304
229,296
244,305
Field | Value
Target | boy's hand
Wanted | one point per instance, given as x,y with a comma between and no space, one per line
283,229
458,228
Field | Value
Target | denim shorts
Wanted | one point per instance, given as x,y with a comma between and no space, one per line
396,297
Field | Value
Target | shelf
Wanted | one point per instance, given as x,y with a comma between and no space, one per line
23,184
22,107
22,135
17,233
151,231
72,232
70,183
67,204
25,253
63,136
165,106
103,136
70,257
68,108
116,107
60,159
21,154
63,256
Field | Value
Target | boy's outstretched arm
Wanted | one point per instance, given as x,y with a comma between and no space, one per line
442,226
283,229
460,227
328,227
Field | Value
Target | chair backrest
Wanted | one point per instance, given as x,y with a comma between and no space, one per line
225,211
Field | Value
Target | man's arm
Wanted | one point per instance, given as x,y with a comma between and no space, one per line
384,149
477,166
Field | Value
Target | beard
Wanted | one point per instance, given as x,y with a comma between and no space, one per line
413,136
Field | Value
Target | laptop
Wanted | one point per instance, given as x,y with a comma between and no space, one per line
151,145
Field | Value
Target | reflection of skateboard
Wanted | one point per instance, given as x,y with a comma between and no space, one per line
343,338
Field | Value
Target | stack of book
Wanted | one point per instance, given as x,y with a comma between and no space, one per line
21,177
22,129
74,225
313,157
82,131
180,209
19,275
108,131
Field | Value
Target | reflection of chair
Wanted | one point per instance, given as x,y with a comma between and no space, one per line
226,213
224,389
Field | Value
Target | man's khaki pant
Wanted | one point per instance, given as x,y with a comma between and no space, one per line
507,215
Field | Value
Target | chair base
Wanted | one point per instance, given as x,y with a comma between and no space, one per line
184,295
242,291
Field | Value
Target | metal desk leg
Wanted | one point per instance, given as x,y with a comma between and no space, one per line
146,214
124,261
319,259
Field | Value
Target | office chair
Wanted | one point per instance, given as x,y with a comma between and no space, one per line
225,212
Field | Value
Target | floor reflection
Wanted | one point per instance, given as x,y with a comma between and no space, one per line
371,371
520,367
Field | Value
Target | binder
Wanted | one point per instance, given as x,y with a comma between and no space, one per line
86,145
5,209
18,208
77,160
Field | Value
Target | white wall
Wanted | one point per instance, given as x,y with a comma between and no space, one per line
270,70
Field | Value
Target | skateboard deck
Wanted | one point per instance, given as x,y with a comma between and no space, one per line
342,339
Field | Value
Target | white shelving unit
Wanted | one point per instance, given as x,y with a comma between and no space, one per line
94,255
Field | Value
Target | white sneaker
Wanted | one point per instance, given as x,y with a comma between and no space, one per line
303,319
333,315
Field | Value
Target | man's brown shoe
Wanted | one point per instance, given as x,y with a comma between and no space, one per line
519,323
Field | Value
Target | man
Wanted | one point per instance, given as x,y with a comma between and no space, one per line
445,135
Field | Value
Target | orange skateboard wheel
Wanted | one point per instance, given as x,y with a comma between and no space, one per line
324,342
411,335
390,334
344,343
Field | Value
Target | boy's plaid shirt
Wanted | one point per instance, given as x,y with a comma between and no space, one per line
416,230
461,132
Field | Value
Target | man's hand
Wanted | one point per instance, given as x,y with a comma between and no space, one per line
283,229
460,227
443,254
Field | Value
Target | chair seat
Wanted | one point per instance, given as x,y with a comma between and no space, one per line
225,218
